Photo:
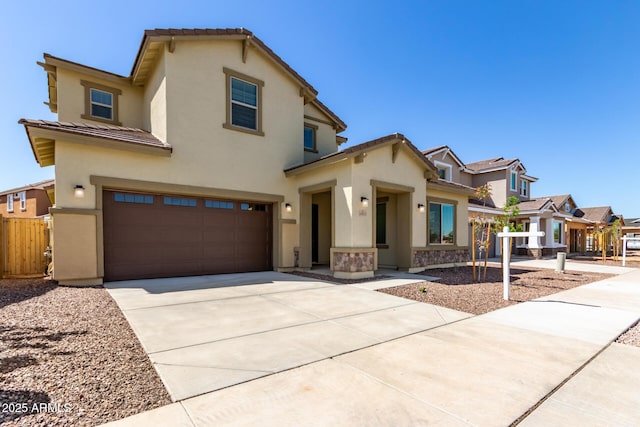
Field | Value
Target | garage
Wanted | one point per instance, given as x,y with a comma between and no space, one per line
157,235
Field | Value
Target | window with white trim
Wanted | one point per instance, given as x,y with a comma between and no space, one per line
310,138
526,224
444,170
10,202
101,103
23,200
524,188
557,232
514,181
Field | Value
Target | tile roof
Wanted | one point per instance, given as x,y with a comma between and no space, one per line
497,162
40,185
597,214
226,32
374,143
558,200
454,186
533,204
170,33
114,133
487,203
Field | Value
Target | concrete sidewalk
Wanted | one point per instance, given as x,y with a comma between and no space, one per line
485,370
570,265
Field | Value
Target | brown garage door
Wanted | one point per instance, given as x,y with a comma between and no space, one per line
151,235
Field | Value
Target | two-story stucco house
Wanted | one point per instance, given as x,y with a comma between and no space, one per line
215,156
28,201
508,178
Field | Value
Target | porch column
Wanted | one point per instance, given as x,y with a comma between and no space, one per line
548,233
534,226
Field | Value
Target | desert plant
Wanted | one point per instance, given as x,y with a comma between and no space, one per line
507,219
481,230
616,236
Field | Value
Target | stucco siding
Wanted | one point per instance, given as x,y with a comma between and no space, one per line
197,111
155,101
71,99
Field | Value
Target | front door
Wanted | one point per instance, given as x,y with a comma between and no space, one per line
314,233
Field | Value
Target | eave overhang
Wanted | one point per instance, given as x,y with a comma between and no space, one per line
450,187
359,153
43,143
52,63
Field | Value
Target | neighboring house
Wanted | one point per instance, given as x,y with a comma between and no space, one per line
215,156
507,178
575,229
600,218
29,201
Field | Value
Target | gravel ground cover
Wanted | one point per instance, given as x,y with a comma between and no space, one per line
69,357
326,278
456,289
633,259
631,336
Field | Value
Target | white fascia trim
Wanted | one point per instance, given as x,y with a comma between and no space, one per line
485,210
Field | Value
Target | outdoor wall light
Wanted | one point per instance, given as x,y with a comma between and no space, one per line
420,208
364,201
288,207
78,191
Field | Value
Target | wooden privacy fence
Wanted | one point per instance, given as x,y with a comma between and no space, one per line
23,242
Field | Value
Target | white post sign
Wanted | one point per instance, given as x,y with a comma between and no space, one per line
624,248
506,251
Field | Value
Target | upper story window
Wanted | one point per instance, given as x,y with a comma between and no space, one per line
9,202
524,188
310,137
23,200
100,103
244,103
514,181
567,207
444,170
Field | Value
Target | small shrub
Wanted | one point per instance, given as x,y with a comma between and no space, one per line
423,289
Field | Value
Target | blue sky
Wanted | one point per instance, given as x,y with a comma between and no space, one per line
553,83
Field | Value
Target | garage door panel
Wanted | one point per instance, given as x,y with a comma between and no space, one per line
145,240
219,218
186,235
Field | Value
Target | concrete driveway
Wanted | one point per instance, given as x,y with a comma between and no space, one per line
210,332
552,356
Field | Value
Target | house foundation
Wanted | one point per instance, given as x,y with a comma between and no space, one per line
353,263
423,258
